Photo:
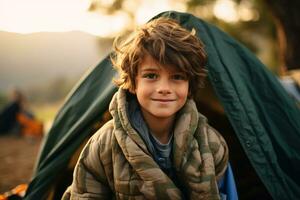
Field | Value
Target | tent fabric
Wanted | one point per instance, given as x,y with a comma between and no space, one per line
265,119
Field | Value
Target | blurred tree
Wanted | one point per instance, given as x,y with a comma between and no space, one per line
251,25
287,18
108,7
273,35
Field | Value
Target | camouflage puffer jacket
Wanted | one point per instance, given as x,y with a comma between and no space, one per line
115,163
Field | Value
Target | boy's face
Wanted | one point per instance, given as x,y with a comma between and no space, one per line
161,90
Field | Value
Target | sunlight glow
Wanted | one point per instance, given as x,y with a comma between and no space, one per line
147,10
57,16
229,11
246,12
226,10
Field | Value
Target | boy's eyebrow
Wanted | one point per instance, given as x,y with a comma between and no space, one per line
155,69
149,69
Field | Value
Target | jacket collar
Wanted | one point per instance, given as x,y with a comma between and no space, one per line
186,125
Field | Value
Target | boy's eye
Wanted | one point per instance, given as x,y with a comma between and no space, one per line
179,77
150,76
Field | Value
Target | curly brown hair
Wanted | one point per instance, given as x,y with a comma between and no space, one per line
166,42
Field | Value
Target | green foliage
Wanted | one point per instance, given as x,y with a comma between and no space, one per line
110,8
194,3
258,35
51,92
3,100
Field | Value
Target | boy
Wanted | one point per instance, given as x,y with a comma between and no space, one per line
157,146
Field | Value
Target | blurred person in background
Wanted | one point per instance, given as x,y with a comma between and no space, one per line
16,119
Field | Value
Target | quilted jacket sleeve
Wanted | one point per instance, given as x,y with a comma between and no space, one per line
219,150
89,179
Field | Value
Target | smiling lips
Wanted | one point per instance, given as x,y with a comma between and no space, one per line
163,100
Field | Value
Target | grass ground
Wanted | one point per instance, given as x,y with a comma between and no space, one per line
18,154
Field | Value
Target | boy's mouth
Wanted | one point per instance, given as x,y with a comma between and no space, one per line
163,100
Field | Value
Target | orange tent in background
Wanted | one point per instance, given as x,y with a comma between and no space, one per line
30,126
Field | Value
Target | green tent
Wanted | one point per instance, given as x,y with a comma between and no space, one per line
265,121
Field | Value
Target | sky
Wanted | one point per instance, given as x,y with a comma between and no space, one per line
55,16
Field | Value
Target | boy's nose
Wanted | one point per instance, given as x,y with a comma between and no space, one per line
164,87
164,91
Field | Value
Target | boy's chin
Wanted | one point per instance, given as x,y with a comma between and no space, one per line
163,115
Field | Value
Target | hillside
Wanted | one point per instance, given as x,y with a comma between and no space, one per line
33,59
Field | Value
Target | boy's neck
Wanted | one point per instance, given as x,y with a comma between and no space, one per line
160,128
